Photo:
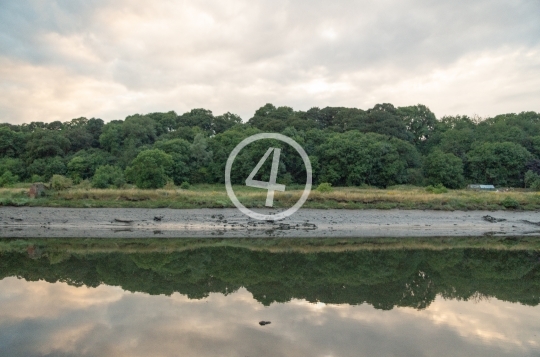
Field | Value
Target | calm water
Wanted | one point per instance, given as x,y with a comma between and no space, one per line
63,300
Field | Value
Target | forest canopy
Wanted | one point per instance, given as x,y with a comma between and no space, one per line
381,146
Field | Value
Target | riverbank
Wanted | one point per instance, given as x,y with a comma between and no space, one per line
230,223
214,196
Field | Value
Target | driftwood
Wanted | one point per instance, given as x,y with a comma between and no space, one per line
123,220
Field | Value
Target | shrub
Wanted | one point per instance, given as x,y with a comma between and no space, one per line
7,179
439,188
84,184
169,185
324,187
509,202
185,185
59,182
107,176
36,178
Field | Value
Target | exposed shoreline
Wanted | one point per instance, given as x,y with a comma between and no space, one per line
33,222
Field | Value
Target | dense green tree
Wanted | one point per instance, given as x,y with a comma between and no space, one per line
420,122
47,167
150,169
11,142
85,162
446,169
201,158
201,118
46,143
501,164
224,122
271,119
108,176
180,151
354,158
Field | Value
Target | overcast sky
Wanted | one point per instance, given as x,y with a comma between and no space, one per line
65,59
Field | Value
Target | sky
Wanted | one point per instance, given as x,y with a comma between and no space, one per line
41,319
108,59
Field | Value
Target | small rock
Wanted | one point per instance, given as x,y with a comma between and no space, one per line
262,323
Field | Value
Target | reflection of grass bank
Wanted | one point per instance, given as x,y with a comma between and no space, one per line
76,246
214,196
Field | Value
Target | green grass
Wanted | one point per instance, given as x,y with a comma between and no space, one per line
67,246
215,196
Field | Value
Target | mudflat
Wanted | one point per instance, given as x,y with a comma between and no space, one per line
198,223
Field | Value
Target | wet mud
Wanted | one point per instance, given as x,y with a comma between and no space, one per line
193,223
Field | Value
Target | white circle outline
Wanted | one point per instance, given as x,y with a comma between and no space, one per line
244,209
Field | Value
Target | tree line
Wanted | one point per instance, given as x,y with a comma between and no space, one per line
381,146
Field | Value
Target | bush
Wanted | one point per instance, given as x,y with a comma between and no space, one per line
36,178
185,185
169,185
59,182
509,202
324,187
107,176
439,188
7,179
84,184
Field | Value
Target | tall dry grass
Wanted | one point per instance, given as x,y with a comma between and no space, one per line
215,196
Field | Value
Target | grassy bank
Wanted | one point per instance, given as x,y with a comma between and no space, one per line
214,196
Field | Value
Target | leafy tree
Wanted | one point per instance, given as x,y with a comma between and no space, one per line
201,157
150,169
79,138
271,119
11,142
224,122
15,166
165,122
107,176
85,162
445,169
420,122
501,164
201,118
111,138
354,158
7,179
180,151
47,167
46,143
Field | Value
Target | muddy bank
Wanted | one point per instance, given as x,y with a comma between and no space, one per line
170,223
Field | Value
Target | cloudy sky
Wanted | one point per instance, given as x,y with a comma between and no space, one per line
95,58
44,319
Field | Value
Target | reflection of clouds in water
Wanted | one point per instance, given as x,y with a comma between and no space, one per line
38,318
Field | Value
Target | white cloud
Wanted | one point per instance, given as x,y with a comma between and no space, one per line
103,59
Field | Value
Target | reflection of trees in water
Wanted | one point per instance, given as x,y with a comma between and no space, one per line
382,278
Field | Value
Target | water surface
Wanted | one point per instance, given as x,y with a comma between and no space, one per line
67,298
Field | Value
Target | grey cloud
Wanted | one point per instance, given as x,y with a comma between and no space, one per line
163,49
